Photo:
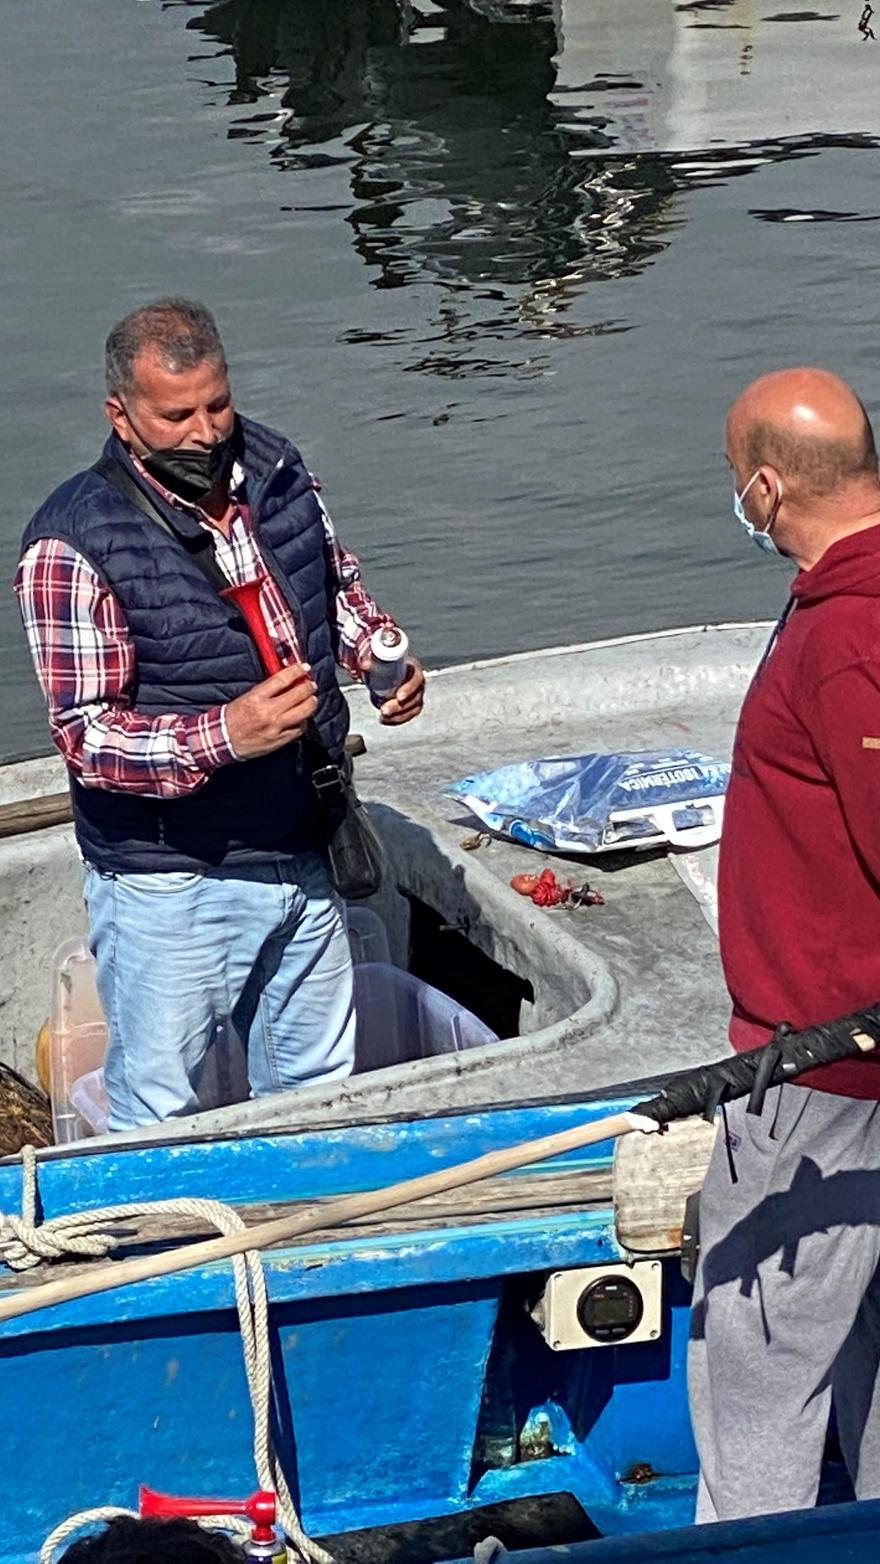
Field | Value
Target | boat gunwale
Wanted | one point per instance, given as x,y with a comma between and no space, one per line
504,659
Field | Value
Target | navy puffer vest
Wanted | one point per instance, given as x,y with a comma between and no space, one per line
195,652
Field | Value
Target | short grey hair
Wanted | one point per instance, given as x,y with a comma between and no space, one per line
182,332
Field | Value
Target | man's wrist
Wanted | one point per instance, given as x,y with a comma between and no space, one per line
208,740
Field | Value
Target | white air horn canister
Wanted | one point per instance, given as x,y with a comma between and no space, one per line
388,655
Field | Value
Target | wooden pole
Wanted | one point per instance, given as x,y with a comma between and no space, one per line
346,1208
49,809
35,814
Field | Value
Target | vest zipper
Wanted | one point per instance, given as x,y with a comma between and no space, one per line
312,731
270,560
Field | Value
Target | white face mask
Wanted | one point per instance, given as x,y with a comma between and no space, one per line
763,539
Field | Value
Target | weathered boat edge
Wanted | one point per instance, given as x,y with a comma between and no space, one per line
765,1539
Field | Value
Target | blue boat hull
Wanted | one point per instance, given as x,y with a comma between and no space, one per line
411,1383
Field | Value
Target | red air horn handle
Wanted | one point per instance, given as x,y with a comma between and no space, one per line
247,600
259,1508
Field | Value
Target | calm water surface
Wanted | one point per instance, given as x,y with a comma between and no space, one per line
499,278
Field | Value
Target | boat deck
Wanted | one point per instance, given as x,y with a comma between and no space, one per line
622,992
627,991
670,1008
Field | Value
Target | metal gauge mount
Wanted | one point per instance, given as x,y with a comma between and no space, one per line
601,1306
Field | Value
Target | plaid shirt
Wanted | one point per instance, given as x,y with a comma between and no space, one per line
86,664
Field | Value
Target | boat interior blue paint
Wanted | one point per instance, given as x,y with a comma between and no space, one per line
411,1382
413,1343
299,1166
341,1268
384,1412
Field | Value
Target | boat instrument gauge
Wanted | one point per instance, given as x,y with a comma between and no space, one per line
601,1306
611,1309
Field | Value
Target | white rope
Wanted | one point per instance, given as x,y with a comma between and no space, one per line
25,1243
75,1523
111,1512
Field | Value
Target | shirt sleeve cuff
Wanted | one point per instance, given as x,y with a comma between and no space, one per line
360,653
208,740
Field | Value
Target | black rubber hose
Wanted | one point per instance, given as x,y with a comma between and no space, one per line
787,1055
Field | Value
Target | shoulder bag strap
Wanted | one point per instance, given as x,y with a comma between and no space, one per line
200,550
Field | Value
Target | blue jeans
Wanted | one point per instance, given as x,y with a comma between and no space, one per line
261,946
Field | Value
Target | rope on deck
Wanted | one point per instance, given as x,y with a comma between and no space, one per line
25,1242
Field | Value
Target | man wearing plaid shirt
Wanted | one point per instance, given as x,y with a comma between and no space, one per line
205,880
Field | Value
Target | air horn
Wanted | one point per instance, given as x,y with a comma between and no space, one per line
246,599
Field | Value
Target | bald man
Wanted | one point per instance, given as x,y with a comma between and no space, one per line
787,1304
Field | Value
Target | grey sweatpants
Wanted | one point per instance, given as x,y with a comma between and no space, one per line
786,1317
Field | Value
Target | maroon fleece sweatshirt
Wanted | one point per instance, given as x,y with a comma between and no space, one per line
799,876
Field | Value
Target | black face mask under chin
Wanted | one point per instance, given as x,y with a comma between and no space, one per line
191,471
188,471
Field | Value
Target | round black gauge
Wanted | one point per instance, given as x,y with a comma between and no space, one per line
611,1309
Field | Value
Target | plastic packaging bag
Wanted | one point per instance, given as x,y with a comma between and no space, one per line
603,803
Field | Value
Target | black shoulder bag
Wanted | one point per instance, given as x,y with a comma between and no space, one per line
354,851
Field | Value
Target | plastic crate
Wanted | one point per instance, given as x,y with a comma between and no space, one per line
399,1017
367,936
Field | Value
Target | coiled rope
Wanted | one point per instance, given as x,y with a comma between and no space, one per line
26,1242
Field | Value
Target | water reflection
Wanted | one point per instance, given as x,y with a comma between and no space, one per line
461,167
516,163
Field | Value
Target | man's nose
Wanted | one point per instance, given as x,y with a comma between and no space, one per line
202,429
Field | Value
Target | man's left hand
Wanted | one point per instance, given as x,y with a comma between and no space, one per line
408,699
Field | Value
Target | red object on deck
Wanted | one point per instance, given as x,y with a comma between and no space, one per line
548,892
259,1508
247,600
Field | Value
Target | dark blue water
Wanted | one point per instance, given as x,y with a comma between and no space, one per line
499,277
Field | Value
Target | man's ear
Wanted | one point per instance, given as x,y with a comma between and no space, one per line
768,483
116,415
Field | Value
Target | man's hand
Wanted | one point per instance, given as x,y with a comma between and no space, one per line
273,713
408,699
